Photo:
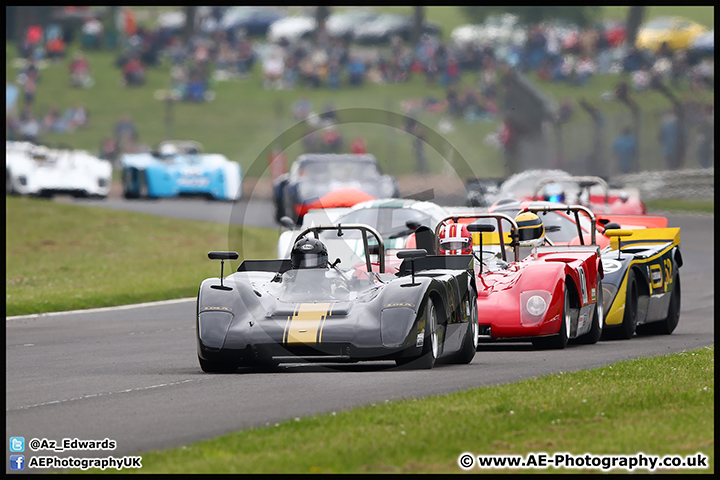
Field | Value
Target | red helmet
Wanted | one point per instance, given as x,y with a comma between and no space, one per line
455,239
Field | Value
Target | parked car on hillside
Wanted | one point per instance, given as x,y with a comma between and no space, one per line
387,26
677,32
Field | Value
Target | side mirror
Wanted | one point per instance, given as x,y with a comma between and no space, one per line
618,232
412,253
222,256
481,227
287,222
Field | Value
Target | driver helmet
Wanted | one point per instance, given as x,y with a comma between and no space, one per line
309,252
531,230
455,239
168,150
553,192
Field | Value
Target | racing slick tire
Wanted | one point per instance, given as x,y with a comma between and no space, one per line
629,324
668,324
598,321
431,347
559,341
209,366
127,182
469,346
9,188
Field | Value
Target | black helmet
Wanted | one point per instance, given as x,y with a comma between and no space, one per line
309,252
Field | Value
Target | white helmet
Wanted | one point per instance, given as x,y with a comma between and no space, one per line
168,150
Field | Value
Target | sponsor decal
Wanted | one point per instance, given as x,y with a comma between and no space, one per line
194,182
217,308
610,266
656,275
306,323
400,304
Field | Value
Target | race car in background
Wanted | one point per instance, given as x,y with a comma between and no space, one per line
395,219
179,168
38,170
331,304
314,175
557,186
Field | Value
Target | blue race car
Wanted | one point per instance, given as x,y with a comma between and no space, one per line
179,168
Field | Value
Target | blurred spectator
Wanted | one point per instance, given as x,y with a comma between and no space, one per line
588,42
28,126
245,56
358,146
328,115
356,71
669,138
31,41
107,149
55,48
640,79
79,117
585,68
705,137
633,61
196,89
126,135
565,111
92,34
29,87
333,74
301,109
51,120
273,67
625,149
80,72
134,72
332,141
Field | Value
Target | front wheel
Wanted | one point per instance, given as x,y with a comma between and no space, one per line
629,323
431,348
209,366
598,320
560,340
469,346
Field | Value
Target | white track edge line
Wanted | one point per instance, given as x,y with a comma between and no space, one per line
103,309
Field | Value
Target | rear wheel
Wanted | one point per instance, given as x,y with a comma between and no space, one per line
666,326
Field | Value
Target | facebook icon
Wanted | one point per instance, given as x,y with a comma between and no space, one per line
17,462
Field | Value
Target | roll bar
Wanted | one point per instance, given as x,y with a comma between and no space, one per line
499,217
576,209
364,229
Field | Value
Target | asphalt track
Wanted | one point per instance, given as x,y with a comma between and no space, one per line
131,374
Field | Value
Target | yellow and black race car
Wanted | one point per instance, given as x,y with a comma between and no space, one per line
641,287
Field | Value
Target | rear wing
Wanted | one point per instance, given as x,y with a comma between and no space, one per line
647,236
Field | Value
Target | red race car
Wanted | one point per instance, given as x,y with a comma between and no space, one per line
551,296
592,192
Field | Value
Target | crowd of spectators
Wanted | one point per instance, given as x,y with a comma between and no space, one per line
334,63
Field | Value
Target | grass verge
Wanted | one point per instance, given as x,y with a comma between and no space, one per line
658,406
66,257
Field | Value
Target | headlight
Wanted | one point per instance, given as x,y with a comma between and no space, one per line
23,180
536,305
102,182
533,306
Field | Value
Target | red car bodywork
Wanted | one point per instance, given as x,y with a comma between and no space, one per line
549,272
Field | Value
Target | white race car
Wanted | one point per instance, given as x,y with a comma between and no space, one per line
41,171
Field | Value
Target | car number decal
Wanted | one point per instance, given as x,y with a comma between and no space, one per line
305,325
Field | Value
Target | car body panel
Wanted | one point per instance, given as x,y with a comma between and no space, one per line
41,171
506,286
677,32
